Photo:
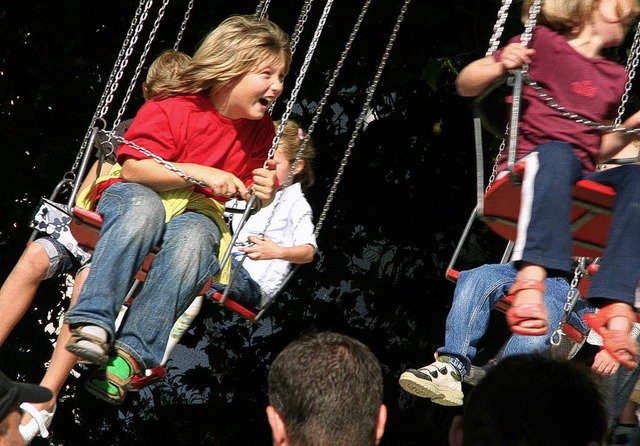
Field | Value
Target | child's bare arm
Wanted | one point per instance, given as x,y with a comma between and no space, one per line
265,249
478,75
614,142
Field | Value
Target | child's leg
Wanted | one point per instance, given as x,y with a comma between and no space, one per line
60,366
42,259
187,259
63,361
613,288
133,223
23,281
544,233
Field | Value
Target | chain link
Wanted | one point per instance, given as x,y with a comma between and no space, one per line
181,173
261,9
632,64
365,111
143,58
572,295
551,102
183,25
498,28
302,19
534,10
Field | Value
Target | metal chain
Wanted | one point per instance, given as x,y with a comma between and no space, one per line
125,60
498,27
323,101
300,78
579,272
302,19
181,173
551,102
365,111
104,100
632,64
261,9
534,10
143,57
494,170
183,25
290,104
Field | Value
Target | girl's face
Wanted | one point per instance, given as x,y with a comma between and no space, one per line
283,166
251,96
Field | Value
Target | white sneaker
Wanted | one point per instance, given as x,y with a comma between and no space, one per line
439,381
38,425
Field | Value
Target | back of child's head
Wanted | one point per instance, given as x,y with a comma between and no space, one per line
291,139
517,403
163,73
570,16
240,44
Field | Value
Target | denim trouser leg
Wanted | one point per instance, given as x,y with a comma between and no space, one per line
133,223
186,260
619,270
616,390
555,297
476,294
544,231
242,288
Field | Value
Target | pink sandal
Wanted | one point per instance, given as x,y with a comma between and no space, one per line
527,312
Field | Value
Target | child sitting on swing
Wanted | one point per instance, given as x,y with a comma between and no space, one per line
564,56
273,239
210,127
46,257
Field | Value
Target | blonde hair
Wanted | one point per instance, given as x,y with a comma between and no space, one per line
566,16
163,72
241,43
290,140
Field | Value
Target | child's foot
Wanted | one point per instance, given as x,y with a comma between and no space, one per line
109,382
614,322
38,424
439,381
89,342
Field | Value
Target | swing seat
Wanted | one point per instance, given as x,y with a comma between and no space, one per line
590,212
234,306
85,227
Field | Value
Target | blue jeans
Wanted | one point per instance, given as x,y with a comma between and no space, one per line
476,294
133,223
60,259
242,288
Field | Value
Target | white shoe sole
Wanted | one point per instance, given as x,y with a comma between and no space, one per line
426,389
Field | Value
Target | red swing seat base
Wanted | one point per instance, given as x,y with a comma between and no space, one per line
590,212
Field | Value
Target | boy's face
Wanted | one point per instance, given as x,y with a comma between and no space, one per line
252,95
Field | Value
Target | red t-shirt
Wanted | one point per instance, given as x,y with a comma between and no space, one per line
188,129
589,87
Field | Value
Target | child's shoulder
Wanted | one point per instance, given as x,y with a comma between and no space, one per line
182,103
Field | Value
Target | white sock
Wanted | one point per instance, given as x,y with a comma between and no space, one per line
95,331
